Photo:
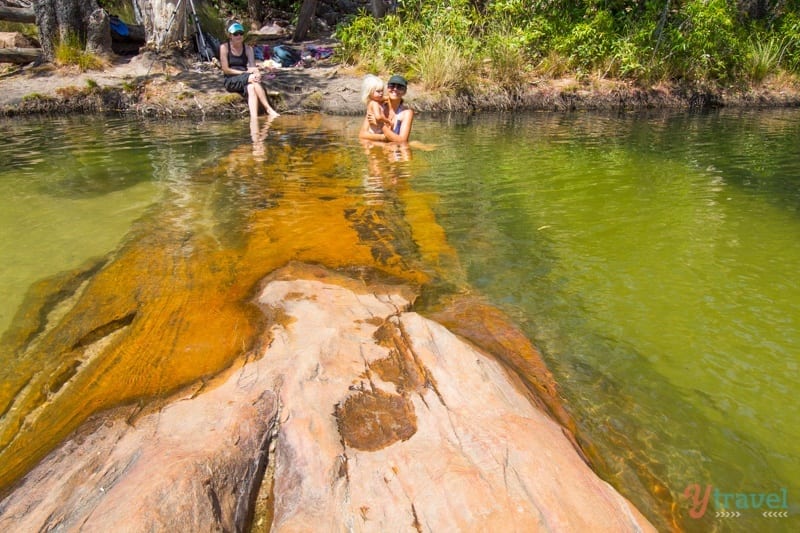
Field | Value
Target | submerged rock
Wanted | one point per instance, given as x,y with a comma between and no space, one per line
376,418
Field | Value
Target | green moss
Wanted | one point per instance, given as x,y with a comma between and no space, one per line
230,98
33,97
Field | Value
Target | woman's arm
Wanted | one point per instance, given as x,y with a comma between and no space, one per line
405,128
366,134
251,59
223,60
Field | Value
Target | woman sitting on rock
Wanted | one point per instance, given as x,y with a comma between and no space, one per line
241,73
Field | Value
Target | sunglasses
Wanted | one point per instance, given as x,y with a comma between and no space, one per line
396,86
238,33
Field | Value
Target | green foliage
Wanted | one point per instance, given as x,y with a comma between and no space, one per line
507,50
433,42
442,64
763,57
588,43
789,31
704,41
378,45
706,47
627,61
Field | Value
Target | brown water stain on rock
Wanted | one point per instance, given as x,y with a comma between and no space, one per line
402,367
372,420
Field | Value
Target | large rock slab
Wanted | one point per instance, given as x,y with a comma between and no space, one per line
357,414
389,422
193,465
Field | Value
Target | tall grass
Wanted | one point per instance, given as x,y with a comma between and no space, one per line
763,57
70,51
443,65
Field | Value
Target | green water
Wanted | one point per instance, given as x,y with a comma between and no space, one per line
71,188
653,260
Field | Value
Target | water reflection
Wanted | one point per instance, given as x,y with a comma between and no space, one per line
258,134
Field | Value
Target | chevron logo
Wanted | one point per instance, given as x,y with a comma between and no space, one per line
775,514
727,514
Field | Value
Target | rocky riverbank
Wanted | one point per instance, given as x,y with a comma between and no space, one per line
147,85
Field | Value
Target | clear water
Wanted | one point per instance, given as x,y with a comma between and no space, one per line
71,188
653,259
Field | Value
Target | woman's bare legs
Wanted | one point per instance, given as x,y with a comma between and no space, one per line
252,100
255,95
262,96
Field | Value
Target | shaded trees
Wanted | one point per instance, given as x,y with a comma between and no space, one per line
63,20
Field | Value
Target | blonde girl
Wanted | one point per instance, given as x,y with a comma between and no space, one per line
372,96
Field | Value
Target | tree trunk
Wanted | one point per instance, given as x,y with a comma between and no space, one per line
164,21
59,20
755,9
307,12
379,8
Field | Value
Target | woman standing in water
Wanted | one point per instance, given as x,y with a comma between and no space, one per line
396,127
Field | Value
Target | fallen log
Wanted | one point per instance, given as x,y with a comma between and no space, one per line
17,14
19,55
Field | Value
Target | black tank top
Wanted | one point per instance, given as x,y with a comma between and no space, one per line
237,62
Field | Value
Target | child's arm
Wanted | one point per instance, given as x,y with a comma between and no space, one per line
377,111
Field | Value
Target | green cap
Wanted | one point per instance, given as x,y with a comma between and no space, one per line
398,80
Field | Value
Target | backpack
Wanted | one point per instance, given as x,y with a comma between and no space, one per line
285,56
211,48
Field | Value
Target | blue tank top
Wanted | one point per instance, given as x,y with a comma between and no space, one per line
398,123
